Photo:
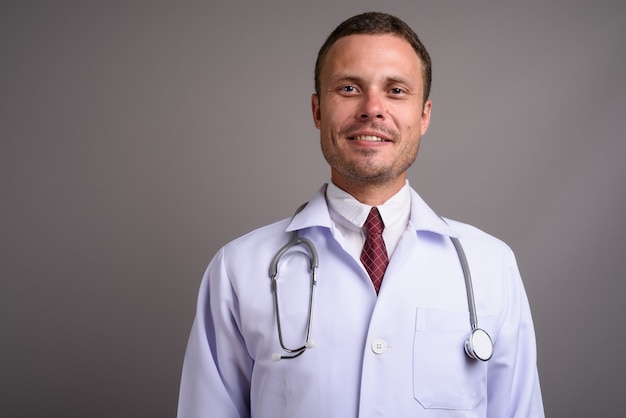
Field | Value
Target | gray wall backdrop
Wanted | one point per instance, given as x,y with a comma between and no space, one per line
137,137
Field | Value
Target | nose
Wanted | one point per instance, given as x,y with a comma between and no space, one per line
372,106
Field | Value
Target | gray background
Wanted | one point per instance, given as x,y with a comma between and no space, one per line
139,137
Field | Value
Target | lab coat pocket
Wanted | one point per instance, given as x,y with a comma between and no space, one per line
444,377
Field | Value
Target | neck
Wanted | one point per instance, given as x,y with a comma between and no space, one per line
372,194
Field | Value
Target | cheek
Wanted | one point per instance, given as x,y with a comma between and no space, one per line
332,122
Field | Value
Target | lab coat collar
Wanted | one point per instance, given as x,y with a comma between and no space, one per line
315,213
422,218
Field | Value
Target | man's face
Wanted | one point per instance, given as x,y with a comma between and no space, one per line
370,110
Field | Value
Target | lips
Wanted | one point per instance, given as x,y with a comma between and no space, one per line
368,138
370,132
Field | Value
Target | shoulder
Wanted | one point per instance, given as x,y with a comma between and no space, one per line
474,235
270,235
242,265
485,250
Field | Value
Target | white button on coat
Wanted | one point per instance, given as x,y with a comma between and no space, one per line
379,346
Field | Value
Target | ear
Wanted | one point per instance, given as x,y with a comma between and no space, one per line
315,108
425,119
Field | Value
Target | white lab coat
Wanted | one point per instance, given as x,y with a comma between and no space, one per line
398,354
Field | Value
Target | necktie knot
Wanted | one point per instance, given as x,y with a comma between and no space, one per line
374,222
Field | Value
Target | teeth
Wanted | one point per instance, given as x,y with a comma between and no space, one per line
369,138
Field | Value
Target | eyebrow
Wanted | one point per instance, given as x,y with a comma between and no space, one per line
344,77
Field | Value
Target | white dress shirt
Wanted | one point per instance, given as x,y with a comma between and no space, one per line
349,215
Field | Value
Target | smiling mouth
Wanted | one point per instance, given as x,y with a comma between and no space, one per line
368,138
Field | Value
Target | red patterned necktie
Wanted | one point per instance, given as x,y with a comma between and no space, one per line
374,256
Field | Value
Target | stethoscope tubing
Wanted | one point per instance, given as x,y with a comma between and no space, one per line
469,288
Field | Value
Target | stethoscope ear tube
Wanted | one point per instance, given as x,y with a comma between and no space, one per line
295,241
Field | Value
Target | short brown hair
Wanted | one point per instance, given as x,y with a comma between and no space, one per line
375,23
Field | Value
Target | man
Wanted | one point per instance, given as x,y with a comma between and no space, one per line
385,339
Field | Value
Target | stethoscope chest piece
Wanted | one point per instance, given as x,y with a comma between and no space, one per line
479,345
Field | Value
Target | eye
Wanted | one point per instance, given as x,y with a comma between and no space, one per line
348,89
396,91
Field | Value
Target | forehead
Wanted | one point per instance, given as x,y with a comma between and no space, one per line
372,54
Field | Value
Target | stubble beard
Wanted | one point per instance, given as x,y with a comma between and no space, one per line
362,172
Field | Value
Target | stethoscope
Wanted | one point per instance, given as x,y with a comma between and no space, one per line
478,345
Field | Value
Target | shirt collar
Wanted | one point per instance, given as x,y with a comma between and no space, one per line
421,218
396,209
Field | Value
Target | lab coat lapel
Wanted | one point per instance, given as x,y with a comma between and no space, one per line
407,262
423,218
